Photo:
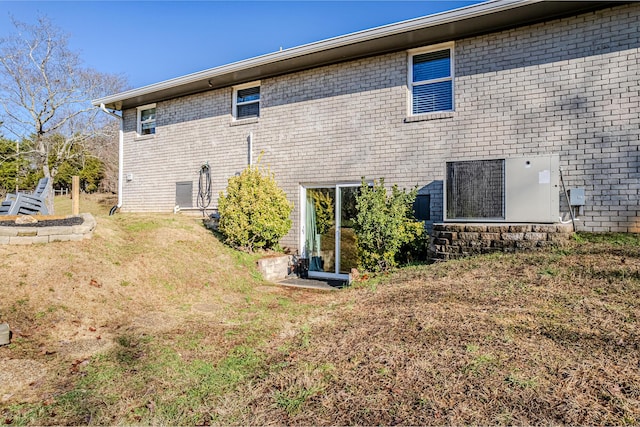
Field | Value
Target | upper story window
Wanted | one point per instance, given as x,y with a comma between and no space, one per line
246,101
431,79
147,119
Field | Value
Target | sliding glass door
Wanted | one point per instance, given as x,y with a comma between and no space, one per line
327,230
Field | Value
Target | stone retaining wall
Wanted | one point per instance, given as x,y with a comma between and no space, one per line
30,235
457,240
275,268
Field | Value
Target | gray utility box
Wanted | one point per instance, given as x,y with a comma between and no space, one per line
523,189
184,194
576,197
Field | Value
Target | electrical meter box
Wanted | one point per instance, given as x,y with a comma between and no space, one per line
576,197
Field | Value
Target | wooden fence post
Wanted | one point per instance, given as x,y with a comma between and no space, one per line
75,195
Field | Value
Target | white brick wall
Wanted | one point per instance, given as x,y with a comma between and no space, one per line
569,86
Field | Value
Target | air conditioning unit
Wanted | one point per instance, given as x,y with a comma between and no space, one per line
523,189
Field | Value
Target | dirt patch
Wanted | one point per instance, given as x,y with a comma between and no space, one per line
155,322
206,308
17,375
84,347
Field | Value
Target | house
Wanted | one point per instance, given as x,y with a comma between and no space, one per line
553,85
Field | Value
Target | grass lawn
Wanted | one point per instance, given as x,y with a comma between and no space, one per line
154,321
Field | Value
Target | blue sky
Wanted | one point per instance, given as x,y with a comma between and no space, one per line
152,41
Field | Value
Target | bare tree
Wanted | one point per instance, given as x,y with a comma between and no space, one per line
104,146
45,93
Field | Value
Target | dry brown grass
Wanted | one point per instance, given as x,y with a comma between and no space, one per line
153,321
163,277
547,338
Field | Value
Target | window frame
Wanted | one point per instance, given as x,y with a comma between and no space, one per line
235,103
450,46
139,120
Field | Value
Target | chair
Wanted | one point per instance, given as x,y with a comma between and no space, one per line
27,204
40,191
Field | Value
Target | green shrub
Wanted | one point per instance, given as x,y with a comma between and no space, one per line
255,212
324,211
383,224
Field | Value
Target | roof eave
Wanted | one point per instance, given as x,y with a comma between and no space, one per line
473,20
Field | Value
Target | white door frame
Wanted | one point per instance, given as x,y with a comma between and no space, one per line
303,220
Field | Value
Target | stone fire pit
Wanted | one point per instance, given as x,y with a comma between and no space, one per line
71,228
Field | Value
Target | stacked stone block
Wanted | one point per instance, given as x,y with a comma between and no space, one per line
33,235
457,240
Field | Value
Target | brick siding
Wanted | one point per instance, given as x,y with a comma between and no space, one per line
567,86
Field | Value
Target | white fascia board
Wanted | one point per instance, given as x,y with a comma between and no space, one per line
485,8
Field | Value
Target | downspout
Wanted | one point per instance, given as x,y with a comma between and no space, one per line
250,140
120,156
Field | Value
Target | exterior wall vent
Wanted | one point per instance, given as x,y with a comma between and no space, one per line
522,189
184,194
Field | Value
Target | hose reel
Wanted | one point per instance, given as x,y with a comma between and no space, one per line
204,188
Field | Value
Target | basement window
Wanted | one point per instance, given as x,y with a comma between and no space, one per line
431,79
147,120
246,101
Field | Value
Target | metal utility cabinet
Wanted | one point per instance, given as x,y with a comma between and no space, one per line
522,189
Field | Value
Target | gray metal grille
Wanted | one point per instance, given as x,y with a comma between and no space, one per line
475,189
184,194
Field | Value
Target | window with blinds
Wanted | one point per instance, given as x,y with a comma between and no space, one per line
246,101
431,80
147,120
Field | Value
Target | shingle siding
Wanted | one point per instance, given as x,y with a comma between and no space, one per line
568,86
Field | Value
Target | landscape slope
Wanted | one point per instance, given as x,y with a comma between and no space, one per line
154,321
